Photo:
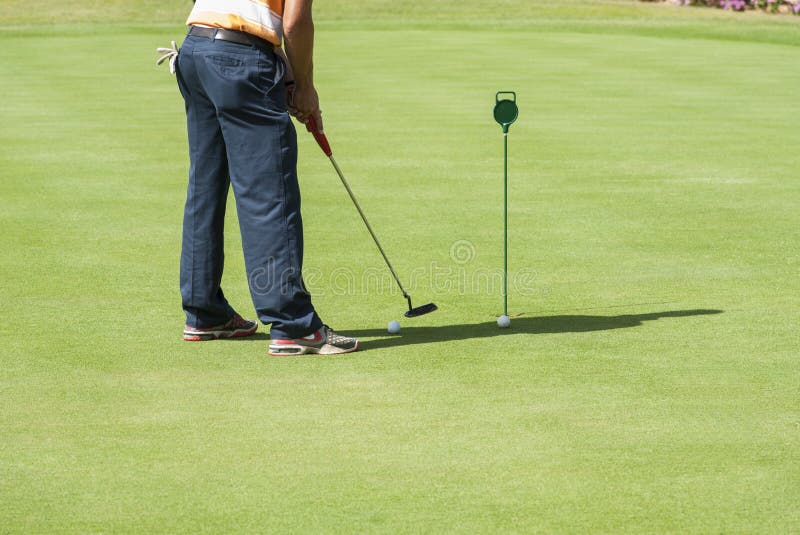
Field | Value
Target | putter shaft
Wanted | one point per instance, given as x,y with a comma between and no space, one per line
369,227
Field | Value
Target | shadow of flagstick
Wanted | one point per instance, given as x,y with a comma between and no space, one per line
540,325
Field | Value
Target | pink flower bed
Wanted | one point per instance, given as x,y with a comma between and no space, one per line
772,6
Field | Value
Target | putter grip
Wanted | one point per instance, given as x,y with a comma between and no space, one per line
322,141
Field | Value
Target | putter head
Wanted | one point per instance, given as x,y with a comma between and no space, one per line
420,310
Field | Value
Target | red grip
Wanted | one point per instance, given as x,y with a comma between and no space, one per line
322,141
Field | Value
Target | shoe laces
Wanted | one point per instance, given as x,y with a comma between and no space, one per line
334,339
238,321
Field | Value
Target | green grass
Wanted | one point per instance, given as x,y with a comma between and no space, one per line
650,384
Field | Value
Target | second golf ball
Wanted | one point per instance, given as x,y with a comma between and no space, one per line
394,327
503,322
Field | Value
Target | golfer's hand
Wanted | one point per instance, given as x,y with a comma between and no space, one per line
304,103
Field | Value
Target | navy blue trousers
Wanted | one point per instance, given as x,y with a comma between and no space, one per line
240,134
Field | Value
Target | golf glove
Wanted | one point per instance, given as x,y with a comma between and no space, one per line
168,53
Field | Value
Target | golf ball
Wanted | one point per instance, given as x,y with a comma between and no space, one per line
394,327
503,322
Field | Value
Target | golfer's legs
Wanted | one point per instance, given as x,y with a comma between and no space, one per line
202,248
246,86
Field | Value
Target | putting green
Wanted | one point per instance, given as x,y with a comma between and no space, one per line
648,381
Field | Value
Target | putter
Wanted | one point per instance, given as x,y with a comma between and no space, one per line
322,141
505,113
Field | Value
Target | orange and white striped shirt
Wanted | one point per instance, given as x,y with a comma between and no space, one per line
262,18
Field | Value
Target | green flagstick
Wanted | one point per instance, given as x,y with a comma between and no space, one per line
505,220
505,113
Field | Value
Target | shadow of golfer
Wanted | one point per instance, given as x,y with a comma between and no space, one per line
540,325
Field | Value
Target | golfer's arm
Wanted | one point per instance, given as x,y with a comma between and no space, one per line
298,33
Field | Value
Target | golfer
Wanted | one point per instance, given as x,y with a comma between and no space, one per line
233,77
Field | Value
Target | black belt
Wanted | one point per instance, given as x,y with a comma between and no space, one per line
233,36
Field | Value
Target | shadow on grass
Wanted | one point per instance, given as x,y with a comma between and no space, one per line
540,325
